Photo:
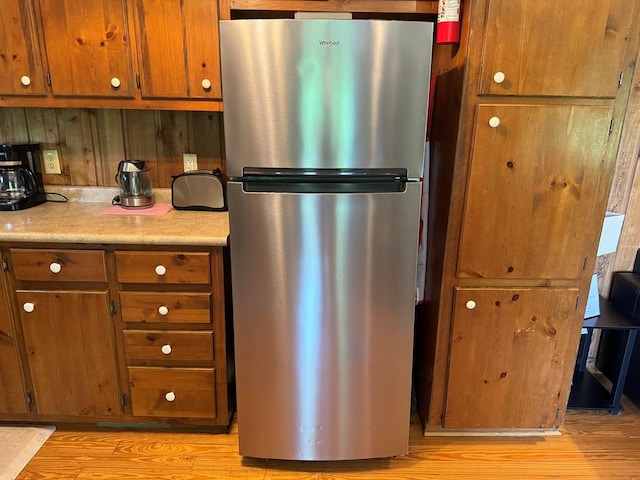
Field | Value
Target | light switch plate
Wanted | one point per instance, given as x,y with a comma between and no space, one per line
51,162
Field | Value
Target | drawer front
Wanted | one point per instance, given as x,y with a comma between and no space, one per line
160,345
165,307
59,265
173,392
163,267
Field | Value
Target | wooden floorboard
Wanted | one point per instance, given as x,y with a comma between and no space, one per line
593,445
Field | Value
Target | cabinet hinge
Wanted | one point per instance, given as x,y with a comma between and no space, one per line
138,80
6,266
123,400
112,307
611,125
30,400
584,265
577,302
620,78
49,78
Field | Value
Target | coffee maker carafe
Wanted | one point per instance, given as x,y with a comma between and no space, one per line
20,177
135,185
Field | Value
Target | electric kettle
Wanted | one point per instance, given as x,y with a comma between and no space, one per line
135,185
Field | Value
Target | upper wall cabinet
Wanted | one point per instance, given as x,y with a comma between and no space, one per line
19,54
544,48
87,45
178,48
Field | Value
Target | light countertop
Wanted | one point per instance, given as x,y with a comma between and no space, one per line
80,221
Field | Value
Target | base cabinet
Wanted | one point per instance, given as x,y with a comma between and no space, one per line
518,385
129,334
12,393
70,347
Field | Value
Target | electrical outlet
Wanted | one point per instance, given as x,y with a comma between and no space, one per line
51,162
190,161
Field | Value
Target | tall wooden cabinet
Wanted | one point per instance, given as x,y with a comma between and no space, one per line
527,123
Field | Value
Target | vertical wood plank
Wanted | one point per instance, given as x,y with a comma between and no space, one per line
77,154
173,137
43,129
108,140
13,126
205,139
140,139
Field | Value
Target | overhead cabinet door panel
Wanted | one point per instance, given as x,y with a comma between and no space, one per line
546,48
531,202
87,46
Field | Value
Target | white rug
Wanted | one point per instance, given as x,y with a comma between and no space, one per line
18,445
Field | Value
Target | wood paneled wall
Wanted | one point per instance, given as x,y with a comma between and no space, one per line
90,143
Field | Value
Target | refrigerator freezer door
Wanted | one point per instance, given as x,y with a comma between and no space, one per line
323,290
325,93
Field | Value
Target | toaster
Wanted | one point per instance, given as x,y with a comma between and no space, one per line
199,190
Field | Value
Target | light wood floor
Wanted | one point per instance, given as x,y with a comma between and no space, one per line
592,446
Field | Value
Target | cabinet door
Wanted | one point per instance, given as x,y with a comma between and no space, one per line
546,48
178,48
12,395
87,46
19,53
71,352
532,189
510,352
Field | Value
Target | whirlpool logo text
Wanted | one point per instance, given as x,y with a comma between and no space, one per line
329,43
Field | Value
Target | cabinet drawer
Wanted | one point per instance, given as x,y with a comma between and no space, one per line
165,307
161,345
173,392
59,265
163,267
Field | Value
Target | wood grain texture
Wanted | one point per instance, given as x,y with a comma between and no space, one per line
592,446
75,265
71,352
142,307
87,45
180,267
143,346
91,143
12,394
520,383
393,6
19,50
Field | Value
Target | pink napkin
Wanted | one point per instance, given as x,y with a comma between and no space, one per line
157,209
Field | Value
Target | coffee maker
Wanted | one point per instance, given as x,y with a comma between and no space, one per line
20,177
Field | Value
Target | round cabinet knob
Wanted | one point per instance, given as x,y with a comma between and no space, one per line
115,82
206,84
170,396
28,307
25,80
470,304
55,267
161,270
494,122
498,77
163,310
166,349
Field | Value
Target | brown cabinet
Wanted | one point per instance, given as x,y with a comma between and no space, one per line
541,165
69,341
136,54
503,386
87,47
526,127
178,48
63,302
546,48
114,333
12,394
173,326
19,52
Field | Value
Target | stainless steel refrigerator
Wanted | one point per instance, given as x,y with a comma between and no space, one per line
324,125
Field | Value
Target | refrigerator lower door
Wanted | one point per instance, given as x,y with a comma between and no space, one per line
323,297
